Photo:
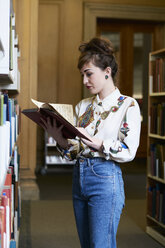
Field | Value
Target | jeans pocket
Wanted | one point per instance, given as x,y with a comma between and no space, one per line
103,170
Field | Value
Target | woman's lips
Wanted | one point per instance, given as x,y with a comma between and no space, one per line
88,87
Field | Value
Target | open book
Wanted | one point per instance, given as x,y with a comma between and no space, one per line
63,113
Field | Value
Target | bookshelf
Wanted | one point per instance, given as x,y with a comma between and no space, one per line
9,128
53,156
156,147
9,72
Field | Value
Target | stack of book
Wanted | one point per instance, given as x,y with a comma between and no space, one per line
10,205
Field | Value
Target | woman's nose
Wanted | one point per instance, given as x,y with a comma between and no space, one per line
85,80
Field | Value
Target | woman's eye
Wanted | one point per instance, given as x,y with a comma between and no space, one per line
89,74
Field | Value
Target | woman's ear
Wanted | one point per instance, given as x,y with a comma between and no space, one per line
108,71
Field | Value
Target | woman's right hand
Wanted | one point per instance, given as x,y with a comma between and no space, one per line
54,131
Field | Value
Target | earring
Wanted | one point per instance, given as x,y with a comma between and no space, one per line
106,77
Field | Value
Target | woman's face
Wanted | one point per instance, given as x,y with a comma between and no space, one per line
94,78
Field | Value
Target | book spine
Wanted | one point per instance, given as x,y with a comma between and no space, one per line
157,119
9,208
157,160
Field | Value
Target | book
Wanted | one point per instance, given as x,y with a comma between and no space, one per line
2,226
62,113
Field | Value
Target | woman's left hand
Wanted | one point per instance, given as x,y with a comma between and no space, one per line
94,143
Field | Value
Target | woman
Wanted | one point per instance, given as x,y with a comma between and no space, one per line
112,122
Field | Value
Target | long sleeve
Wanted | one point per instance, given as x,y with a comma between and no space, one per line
74,145
124,148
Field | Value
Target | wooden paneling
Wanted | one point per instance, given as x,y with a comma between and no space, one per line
27,29
48,52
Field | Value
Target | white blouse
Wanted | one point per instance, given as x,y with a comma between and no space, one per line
116,120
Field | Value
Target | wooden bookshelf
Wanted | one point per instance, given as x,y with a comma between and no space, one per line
9,128
156,147
156,136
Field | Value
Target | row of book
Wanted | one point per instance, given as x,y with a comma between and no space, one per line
157,160
9,130
10,205
156,202
157,119
157,75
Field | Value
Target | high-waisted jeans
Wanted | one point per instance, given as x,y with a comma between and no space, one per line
98,200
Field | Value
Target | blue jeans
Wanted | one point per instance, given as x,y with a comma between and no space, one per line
98,200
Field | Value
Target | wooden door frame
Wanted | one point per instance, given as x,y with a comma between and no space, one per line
92,11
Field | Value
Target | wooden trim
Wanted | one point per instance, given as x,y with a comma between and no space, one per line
50,1
94,10
158,179
154,234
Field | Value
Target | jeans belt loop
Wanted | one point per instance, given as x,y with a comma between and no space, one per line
88,162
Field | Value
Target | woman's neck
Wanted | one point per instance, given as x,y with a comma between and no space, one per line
104,93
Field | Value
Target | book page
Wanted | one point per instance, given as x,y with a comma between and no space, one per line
37,103
66,110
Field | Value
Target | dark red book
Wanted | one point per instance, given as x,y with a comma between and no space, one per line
46,110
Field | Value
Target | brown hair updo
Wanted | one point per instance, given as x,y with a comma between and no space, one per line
100,52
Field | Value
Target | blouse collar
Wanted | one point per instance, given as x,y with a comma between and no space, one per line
109,100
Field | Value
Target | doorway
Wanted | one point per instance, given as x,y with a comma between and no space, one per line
133,41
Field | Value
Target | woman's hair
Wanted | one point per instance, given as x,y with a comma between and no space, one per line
100,52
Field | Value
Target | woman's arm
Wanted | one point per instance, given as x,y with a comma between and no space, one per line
125,147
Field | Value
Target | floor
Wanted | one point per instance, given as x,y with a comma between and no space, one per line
49,222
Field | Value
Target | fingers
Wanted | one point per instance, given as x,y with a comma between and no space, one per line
43,121
43,124
49,126
60,128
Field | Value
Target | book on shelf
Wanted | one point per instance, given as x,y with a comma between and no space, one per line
157,118
9,208
157,160
157,75
156,202
62,113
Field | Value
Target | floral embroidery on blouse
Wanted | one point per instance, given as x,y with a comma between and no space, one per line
88,116
123,146
124,129
113,109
